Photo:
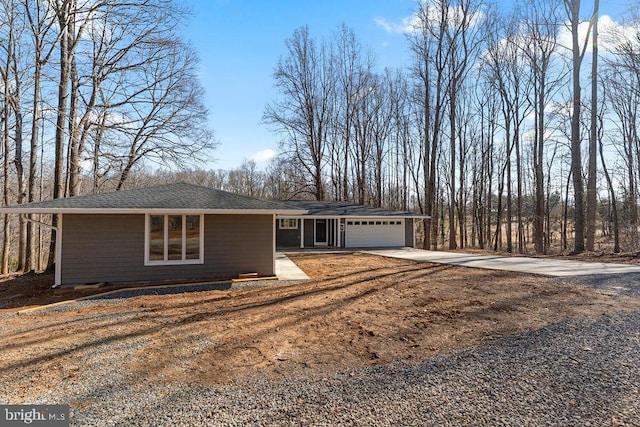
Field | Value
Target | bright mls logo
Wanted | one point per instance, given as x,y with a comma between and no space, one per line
36,415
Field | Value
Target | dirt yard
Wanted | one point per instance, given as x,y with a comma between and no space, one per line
360,310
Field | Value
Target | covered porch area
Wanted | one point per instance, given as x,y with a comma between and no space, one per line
309,232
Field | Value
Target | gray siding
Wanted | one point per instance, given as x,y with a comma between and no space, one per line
287,238
110,248
408,232
309,240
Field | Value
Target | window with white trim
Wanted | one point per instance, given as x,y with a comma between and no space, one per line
288,223
174,239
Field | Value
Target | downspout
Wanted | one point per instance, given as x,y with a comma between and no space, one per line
58,230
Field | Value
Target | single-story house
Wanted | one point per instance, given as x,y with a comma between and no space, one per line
345,225
185,231
175,231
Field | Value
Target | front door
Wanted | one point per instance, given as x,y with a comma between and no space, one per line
321,232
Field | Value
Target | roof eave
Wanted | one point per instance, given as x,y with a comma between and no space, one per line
119,211
308,215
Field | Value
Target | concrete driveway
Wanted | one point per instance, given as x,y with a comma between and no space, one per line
544,266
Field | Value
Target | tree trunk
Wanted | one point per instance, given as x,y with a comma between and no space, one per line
6,241
612,202
591,180
519,224
20,178
33,159
565,215
538,154
509,218
576,140
74,137
63,16
452,171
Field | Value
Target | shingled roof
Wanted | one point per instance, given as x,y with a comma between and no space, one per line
327,209
170,197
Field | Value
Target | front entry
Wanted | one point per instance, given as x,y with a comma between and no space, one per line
321,232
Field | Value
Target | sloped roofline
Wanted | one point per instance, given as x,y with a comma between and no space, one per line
176,198
340,209
18,209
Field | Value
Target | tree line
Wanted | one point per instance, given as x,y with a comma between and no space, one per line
490,129
487,130
91,90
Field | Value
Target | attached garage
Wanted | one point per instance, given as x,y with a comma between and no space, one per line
335,224
369,233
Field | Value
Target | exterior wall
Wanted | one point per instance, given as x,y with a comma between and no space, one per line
309,240
408,232
287,238
110,248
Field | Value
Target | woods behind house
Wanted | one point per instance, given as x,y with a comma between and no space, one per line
514,130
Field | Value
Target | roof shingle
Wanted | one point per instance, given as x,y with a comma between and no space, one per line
326,208
177,196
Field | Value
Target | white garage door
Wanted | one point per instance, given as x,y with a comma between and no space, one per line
367,233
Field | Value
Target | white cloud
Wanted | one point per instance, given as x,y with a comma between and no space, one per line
263,155
428,12
610,34
407,25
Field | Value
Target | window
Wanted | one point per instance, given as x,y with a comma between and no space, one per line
288,223
174,239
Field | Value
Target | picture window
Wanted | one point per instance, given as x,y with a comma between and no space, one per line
174,239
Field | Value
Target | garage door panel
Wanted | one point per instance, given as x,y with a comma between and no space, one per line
374,233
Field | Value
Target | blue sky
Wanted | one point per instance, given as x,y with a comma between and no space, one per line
240,42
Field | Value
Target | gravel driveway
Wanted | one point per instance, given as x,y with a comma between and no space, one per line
569,374
575,373
627,284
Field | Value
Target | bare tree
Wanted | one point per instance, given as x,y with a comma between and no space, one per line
386,100
40,22
126,93
165,122
615,224
13,116
507,72
246,180
6,149
624,100
353,68
592,200
445,43
573,11
64,12
541,21
303,112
